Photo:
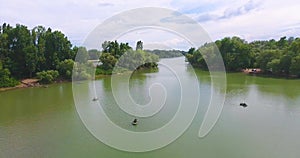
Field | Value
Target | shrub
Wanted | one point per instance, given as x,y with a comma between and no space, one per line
48,76
6,80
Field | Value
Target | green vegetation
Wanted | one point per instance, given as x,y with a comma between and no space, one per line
42,53
5,79
121,57
47,76
280,58
24,53
166,53
50,56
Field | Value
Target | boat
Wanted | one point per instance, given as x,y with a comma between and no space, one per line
243,105
134,122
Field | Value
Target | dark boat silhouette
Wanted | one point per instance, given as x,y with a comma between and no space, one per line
134,122
243,105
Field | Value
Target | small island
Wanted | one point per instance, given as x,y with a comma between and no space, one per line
118,58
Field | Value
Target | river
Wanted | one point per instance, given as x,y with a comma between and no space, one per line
43,122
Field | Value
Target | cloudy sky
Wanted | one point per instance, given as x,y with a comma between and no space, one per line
248,19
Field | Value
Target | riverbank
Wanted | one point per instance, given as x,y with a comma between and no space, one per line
260,73
25,83
30,82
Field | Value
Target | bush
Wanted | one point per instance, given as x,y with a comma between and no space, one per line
47,76
65,68
6,80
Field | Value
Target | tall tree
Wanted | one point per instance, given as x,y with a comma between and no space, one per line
139,45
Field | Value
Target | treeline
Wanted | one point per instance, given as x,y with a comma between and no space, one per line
166,53
49,56
119,57
273,57
39,52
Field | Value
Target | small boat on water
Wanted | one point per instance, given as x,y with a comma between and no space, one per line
243,105
134,122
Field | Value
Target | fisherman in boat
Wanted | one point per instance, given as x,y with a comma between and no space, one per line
134,122
243,105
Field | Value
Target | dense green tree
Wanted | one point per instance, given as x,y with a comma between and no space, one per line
274,66
6,80
166,53
236,53
57,48
139,45
285,64
19,39
267,56
108,61
127,59
31,59
48,76
295,66
38,34
24,52
275,57
65,68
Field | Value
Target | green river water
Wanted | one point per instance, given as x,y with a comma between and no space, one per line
43,122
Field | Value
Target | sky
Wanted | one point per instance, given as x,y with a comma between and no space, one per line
248,19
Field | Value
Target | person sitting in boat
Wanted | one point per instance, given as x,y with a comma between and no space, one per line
134,122
243,105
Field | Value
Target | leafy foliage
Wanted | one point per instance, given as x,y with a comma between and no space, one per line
25,52
166,53
65,68
5,79
122,57
280,57
48,76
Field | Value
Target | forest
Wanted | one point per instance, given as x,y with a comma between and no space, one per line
119,57
167,53
275,58
49,56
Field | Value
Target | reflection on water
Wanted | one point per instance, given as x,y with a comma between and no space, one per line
43,122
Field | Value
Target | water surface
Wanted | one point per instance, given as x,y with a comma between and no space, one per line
43,122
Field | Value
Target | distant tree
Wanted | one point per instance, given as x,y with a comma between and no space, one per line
31,59
267,56
57,48
139,45
285,64
6,80
282,43
82,55
295,66
274,66
108,61
19,39
94,54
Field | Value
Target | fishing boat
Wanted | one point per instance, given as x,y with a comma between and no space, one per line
134,122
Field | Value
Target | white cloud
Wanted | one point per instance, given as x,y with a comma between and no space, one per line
250,19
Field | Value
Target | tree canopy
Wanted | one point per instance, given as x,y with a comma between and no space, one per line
273,57
123,57
25,52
